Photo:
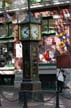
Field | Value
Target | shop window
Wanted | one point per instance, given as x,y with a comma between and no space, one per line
47,43
0,3
6,54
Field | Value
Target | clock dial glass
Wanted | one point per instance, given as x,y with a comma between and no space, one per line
34,31
3,30
25,32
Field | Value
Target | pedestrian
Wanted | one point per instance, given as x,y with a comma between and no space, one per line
60,79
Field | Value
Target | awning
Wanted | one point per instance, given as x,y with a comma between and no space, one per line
47,33
7,39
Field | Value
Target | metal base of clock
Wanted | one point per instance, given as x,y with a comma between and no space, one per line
30,90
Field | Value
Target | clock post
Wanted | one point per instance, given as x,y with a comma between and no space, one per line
30,34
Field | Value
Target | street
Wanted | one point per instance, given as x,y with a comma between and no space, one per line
9,99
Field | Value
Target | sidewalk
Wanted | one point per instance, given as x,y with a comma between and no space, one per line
46,104
9,99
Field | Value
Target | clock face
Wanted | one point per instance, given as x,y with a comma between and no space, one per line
25,32
34,32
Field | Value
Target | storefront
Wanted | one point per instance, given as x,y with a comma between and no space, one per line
54,47
55,39
7,68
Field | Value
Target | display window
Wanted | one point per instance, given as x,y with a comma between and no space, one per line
0,3
52,46
57,45
55,34
7,55
47,45
47,50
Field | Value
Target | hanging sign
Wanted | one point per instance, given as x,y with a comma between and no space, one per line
19,50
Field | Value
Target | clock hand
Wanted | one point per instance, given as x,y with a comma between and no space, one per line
36,32
26,31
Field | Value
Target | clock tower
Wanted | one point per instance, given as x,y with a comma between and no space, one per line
30,34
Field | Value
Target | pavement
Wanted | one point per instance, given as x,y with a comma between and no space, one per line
9,99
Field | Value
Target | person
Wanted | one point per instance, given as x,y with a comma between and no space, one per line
60,79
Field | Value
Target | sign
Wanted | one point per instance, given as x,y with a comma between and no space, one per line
19,50
62,40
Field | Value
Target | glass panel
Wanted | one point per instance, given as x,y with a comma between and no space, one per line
35,1
47,49
3,30
0,3
6,54
19,4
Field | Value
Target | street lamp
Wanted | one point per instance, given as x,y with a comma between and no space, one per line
30,34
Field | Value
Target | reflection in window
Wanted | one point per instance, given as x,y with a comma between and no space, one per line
47,50
6,54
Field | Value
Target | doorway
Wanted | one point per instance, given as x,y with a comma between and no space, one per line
48,81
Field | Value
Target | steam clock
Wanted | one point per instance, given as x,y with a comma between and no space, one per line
30,34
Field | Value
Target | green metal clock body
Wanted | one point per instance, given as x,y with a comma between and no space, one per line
30,34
